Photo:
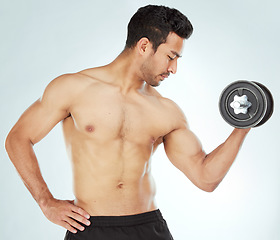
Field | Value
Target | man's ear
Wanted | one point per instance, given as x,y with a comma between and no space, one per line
144,46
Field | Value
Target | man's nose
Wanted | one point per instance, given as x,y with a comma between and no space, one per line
173,66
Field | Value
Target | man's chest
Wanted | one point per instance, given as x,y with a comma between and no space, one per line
112,116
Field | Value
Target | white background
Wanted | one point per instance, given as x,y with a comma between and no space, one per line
232,40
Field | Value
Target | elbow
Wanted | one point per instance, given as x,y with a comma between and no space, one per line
207,188
205,184
210,188
11,142
13,139
8,142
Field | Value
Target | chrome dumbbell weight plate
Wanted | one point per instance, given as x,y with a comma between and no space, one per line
245,104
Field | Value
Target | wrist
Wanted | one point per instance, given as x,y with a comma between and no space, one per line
243,130
44,199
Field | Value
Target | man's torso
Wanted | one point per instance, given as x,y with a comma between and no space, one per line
110,138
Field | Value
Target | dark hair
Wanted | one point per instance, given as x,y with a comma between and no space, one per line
155,23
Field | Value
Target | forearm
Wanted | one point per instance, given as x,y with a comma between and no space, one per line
20,151
218,162
61,212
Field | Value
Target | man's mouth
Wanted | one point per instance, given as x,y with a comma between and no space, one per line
164,75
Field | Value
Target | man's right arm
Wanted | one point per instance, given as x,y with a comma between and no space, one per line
32,126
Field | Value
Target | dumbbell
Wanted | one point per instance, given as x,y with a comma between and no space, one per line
246,104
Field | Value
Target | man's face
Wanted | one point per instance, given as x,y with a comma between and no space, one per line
160,64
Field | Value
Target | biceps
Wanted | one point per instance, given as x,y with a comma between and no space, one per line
184,150
37,121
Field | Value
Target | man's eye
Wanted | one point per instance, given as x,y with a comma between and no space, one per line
171,58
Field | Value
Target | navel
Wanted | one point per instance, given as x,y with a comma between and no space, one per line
89,128
120,185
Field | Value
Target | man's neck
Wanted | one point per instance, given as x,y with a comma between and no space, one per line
126,71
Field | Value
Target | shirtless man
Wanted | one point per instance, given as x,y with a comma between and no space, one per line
113,120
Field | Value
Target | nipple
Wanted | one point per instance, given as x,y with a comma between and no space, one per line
89,128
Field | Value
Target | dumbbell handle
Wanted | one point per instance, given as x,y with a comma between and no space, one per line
240,104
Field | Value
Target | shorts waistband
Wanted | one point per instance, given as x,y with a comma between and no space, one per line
126,220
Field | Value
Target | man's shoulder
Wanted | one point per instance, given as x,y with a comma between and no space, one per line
174,113
166,102
172,107
78,78
74,82
94,75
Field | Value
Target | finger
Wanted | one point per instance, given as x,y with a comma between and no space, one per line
68,227
80,211
79,218
74,224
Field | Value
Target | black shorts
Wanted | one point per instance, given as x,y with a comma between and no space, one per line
144,226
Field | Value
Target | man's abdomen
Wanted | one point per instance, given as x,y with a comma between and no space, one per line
105,197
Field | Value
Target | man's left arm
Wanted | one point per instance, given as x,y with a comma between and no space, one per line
206,171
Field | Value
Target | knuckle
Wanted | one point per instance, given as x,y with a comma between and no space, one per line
74,216
79,210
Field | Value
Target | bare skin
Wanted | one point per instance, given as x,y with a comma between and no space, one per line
113,121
